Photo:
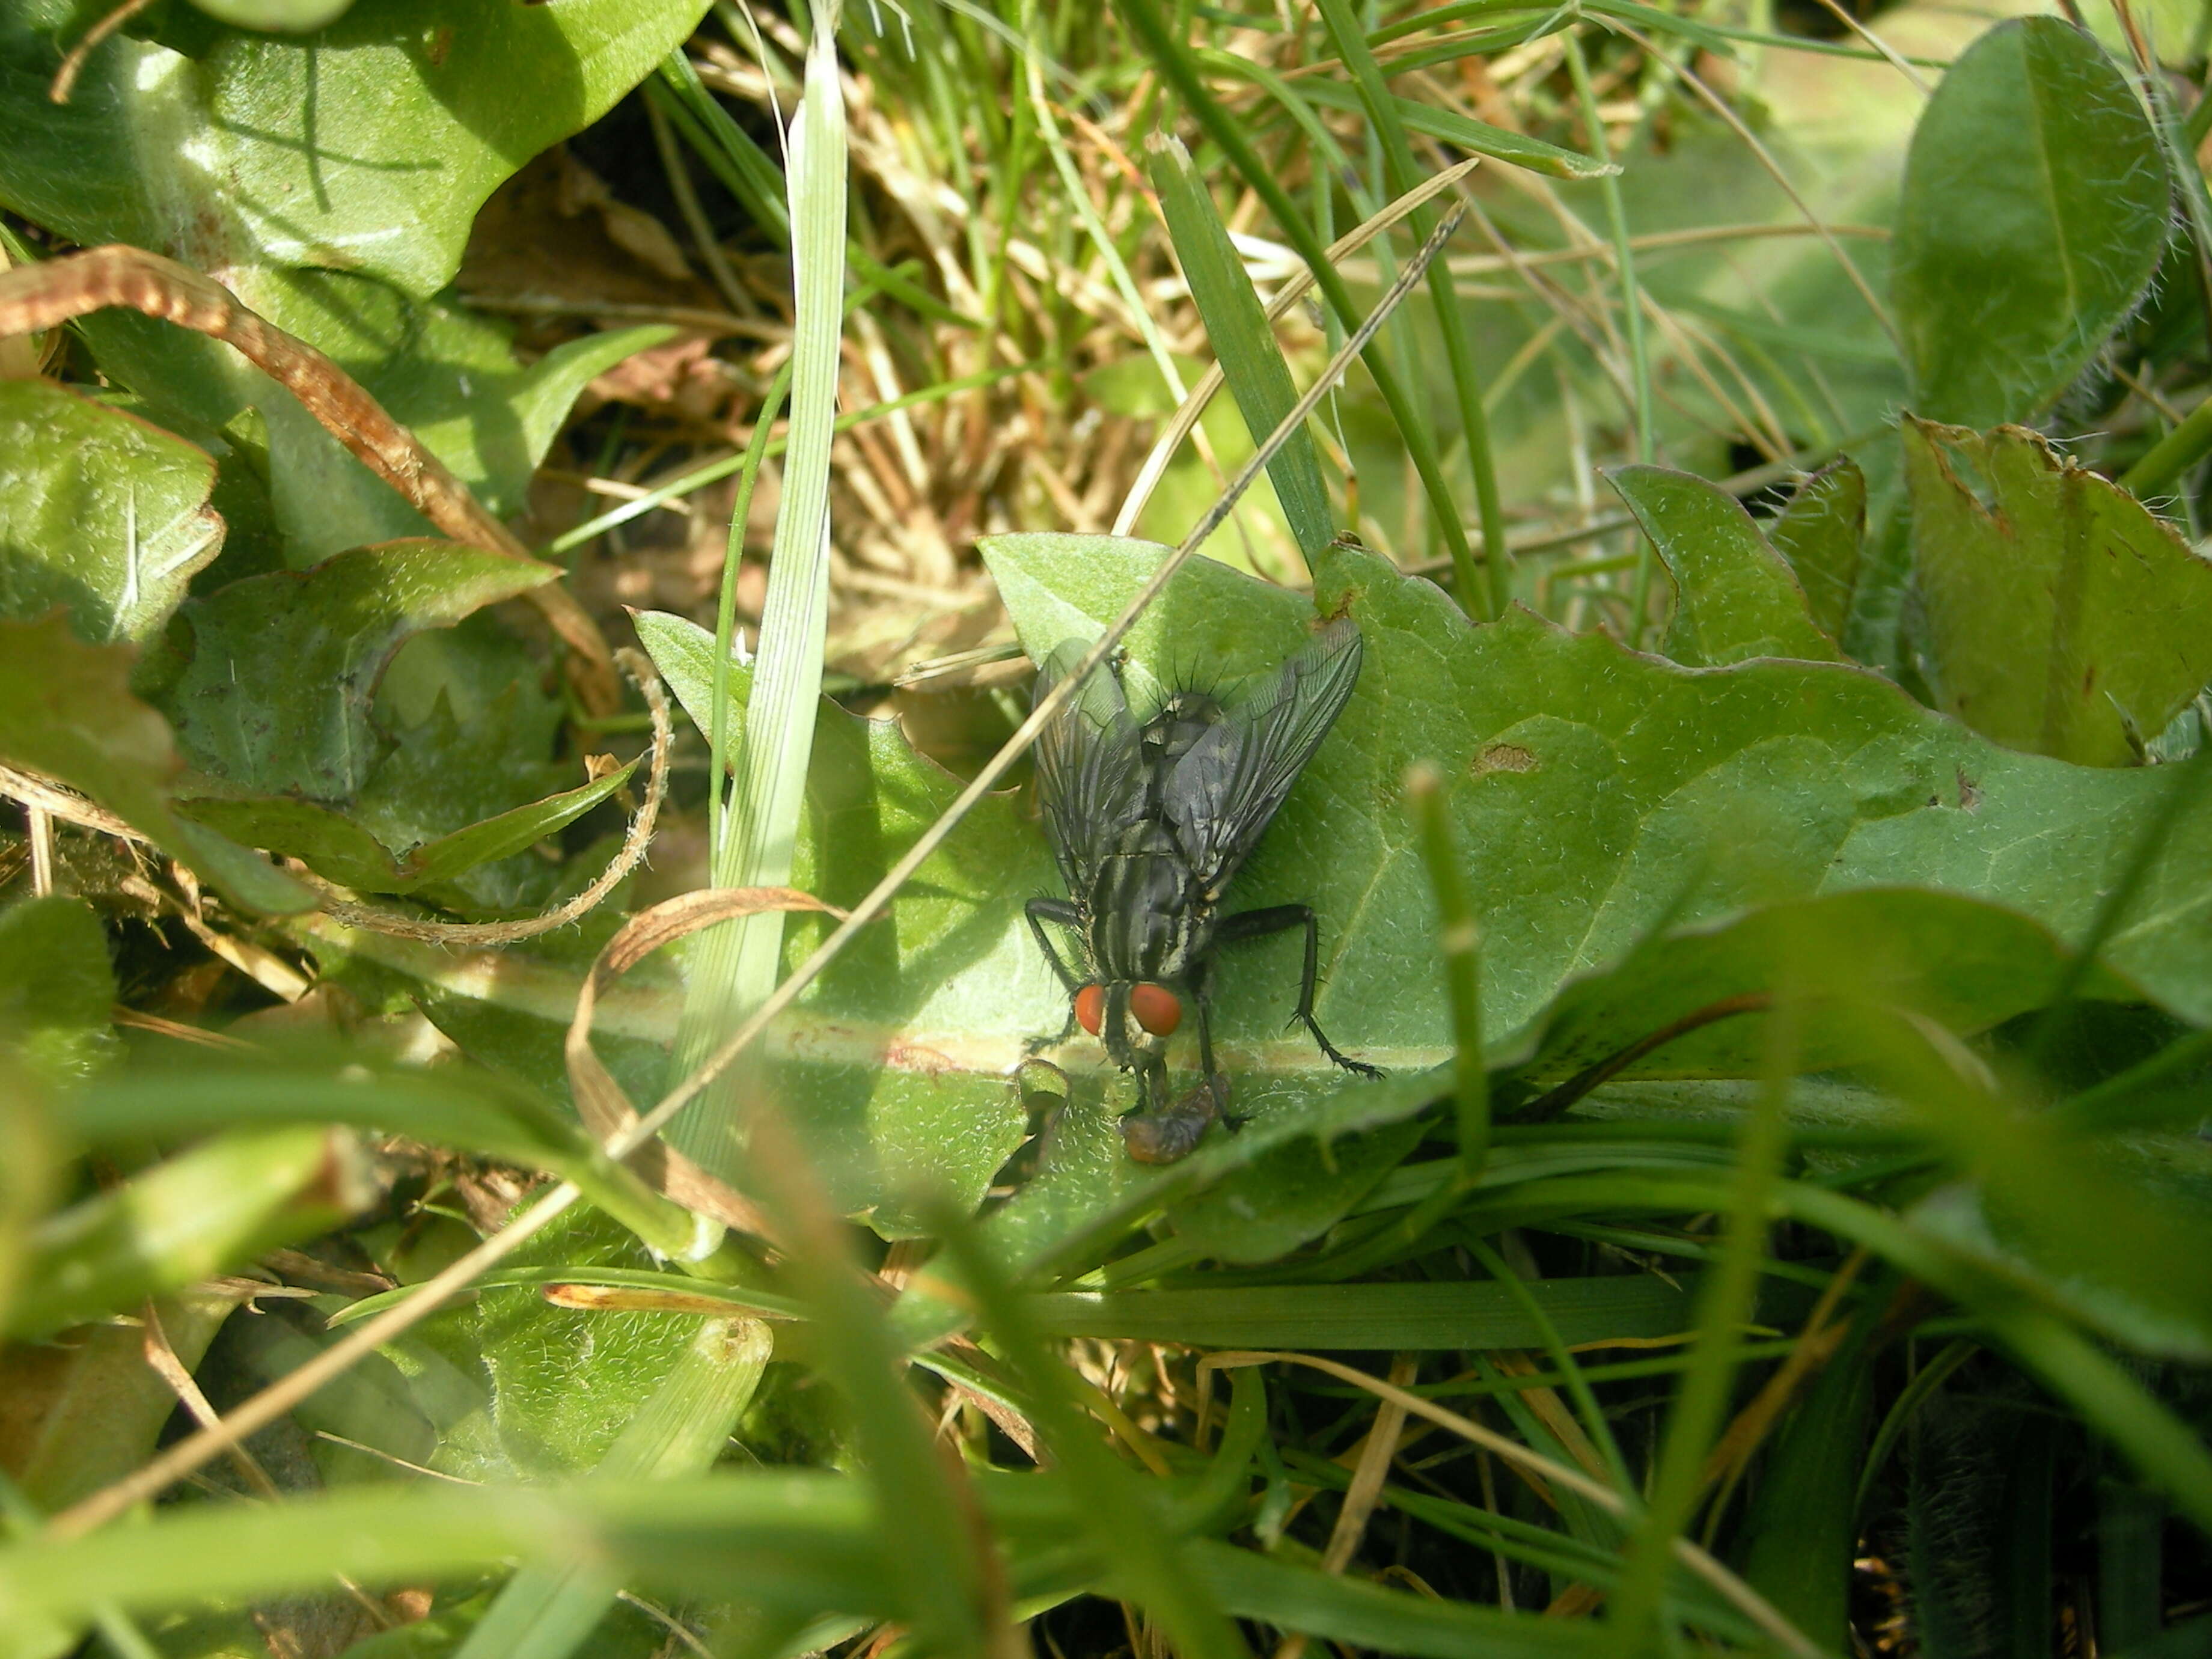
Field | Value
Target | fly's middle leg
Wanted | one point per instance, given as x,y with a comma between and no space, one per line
1279,919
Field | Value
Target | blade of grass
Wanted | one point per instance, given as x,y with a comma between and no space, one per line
1243,344
1624,268
1400,171
1178,71
735,964
450,1108
1928,1378
1593,1417
1286,299
1078,195
719,783
779,1536
933,1537
746,171
1125,1524
1737,1593
1725,1302
1460,937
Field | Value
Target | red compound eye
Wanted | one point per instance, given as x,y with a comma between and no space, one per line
1156,1008
1091,1008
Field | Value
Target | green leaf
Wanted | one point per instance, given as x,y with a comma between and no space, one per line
1820,533
66,710
2062,618
1961,964
368,147
337,846
57,987
274,693
679,1430
103,513
446,373
1734,597
1294,1191
1603,794
391,840
558,1386
204,1212
1251,361
2035,209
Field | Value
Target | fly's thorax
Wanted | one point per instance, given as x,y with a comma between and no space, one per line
1183,720
1147,918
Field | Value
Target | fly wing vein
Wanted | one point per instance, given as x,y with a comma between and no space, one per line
1229,784
1089,769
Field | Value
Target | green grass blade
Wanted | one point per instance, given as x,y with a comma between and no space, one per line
1459,940
725,614
1251,361
476,1113
206,1211
932,1536
1102,239
1178,69
1399,169
1631,297
1725,1304
788,1538
1124,1522
1360,1615
735,964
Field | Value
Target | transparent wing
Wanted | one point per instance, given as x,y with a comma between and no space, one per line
1089,769
1228,785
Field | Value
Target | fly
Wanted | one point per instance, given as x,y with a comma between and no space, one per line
1150,823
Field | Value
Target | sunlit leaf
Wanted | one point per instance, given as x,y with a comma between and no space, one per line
368,147
204,1211
102,513
1734,597
277,670
2061,618
2035,211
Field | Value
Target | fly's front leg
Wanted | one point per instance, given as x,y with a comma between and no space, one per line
1039,911
1279,919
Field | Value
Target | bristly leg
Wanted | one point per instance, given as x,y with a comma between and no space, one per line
1277,919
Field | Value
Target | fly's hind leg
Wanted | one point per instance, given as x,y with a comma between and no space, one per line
1039,911
1281,918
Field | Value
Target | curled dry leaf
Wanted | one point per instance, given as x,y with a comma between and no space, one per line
606,1111
36,298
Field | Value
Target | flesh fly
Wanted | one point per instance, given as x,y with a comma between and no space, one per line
1149,821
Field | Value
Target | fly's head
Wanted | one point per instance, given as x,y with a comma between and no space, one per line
1133,1019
